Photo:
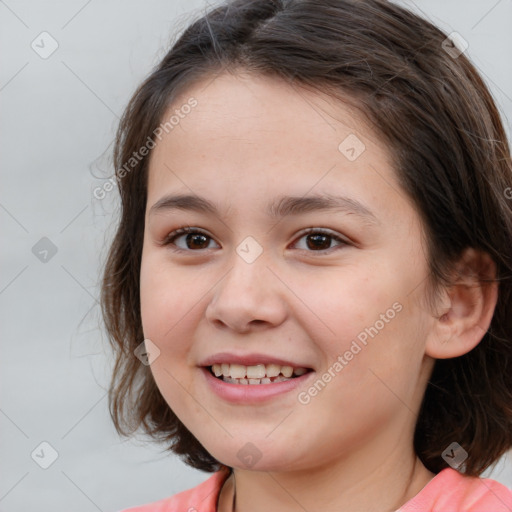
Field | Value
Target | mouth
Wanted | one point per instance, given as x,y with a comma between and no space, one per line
255,374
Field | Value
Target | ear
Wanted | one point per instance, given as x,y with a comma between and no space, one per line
468,307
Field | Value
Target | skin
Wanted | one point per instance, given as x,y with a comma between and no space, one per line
249,140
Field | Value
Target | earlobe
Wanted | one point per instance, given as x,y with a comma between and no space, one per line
467,307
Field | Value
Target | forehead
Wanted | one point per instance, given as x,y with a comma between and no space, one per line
255,136
237,106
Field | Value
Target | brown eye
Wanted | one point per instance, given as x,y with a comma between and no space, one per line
194,239
318,240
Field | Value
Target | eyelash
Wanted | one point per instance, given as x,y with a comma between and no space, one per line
171,237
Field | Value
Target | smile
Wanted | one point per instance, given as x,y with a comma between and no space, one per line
255,374
249,390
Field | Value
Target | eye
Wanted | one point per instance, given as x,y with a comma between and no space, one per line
194,239
320,240
317,240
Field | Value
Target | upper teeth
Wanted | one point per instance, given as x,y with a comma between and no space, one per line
258,371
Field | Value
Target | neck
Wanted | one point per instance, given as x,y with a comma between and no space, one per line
380,484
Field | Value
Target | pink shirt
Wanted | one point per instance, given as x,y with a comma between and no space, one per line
448,491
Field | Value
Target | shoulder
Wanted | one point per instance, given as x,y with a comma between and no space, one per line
453,491
202,498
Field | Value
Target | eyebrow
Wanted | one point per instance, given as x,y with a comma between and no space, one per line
283,206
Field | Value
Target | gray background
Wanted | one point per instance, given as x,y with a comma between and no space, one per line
58,117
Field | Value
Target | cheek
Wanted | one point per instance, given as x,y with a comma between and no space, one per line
367,317
165,313
344,303
159,299
171,303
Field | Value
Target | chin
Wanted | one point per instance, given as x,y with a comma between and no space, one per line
250,458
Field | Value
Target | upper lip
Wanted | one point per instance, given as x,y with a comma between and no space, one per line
249,360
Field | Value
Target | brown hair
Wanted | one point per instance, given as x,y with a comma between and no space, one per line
451,157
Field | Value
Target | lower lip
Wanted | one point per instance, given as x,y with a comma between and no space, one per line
252,393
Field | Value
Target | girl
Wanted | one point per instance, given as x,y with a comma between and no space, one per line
309,289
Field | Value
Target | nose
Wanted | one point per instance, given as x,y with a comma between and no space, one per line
249,297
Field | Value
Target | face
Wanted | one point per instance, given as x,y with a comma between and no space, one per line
332,281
